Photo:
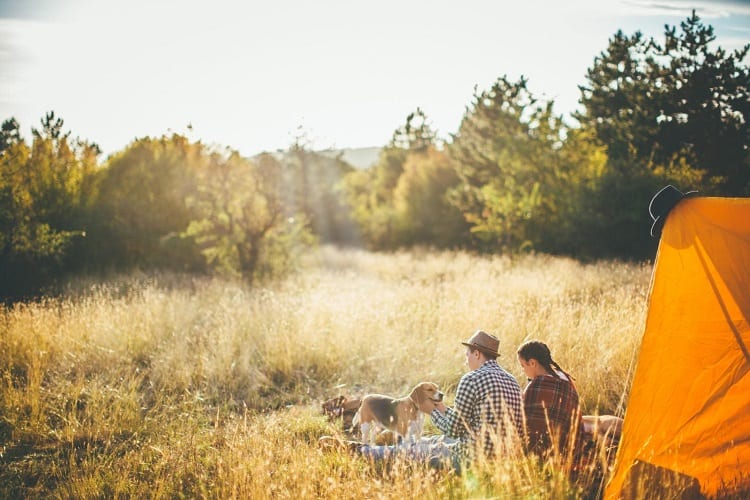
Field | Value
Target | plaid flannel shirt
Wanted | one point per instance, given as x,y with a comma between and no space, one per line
487,409
550,405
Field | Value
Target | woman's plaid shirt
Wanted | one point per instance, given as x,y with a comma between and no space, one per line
486,411
550,406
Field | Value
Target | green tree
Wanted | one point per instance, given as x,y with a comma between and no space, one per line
680,102
142,209
312,189
584,164
44,190
241,225
10,134
370,193
705,111
424,214
620,97
416,135
671,113
506,155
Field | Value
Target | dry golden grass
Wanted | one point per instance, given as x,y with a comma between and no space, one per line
180,386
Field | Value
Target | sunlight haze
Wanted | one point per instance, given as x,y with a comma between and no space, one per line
254,75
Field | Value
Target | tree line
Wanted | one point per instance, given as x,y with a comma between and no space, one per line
514,177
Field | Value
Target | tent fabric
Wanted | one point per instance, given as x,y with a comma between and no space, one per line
688,413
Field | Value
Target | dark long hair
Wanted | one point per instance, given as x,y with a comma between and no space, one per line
534,349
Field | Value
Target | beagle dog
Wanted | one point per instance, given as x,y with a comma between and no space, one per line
404,416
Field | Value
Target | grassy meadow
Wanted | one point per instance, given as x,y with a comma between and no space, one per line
175,386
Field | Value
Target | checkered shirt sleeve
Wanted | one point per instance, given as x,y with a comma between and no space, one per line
488,407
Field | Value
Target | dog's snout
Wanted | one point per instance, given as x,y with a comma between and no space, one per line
439,396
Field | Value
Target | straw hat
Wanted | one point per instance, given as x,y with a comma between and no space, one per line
484,342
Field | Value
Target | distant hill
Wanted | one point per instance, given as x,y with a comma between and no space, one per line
356,157
361,158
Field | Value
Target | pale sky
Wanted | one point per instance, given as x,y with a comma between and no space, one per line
250,74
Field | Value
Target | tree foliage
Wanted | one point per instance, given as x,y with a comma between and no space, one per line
679,102
706,110
44,189
239,218
404,199
506,155
161,203
142,205
311,189
667,113
172,203
423,212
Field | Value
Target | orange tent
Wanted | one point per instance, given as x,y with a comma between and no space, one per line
687,425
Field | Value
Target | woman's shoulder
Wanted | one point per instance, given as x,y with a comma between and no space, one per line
550,381
544,387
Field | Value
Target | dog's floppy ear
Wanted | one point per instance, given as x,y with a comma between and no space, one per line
417,394
420,398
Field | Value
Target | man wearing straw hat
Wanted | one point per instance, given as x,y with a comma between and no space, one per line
487,411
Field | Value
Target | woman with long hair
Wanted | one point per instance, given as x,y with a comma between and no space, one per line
552,414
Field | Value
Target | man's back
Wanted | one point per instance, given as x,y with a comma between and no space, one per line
487,408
